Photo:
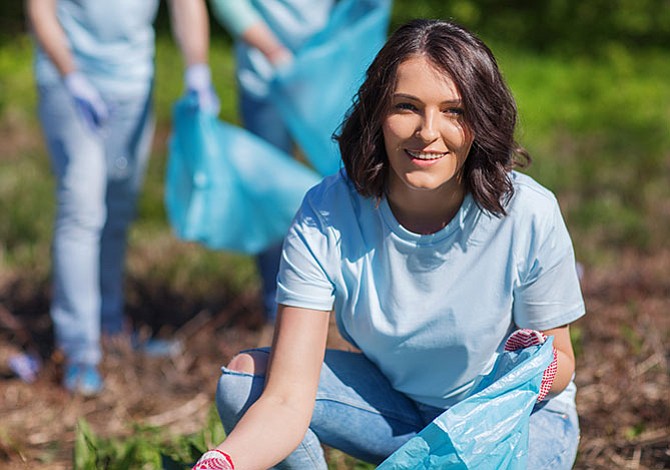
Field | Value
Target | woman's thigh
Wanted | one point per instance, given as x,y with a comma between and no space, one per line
77,158
553,438
358,412
356,409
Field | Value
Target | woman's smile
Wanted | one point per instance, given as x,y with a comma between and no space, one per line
422,156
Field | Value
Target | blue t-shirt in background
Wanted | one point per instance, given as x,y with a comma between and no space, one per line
113,44
293,22
431,311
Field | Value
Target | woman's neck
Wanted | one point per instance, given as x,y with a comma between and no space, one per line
426,212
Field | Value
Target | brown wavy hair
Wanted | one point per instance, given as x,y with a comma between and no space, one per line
489,111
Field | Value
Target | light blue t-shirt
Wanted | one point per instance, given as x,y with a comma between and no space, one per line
112,43
431,311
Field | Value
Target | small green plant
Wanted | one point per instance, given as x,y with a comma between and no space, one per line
149,448
146,448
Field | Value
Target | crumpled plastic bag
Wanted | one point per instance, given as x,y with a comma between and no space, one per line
315,91
488,430
227,188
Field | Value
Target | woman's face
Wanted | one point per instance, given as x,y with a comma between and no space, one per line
425,136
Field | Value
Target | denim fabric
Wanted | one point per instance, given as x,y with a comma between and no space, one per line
357,412
554,436
98,177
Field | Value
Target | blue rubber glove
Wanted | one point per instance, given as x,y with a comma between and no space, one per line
198,80
91,108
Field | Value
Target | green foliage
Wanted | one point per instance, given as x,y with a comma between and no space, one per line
563,27
146,448
17,88
26,219
598,133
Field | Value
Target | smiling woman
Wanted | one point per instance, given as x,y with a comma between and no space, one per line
427,144
398,246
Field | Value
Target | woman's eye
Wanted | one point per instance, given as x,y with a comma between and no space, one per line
455,111
405,106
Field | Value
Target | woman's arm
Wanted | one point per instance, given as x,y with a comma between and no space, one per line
276,424
52,38
49,34
565,358
242,21
190,27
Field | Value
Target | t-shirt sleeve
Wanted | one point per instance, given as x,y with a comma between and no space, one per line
548,294
235,15
303,279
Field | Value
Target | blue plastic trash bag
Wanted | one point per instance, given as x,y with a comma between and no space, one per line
227,188
314,93
489,429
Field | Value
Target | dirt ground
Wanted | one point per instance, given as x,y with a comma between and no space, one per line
622,346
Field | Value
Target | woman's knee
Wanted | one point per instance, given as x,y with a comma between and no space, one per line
240,385
251,362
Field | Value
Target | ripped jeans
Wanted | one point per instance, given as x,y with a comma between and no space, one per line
358,412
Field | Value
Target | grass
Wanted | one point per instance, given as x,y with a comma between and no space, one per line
149,448
597,128
598,131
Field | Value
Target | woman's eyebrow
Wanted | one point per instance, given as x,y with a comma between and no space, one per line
454,102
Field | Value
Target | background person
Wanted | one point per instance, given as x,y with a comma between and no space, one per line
94,70
434,256
267,33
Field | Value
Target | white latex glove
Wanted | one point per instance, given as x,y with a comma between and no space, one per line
198,80
91,107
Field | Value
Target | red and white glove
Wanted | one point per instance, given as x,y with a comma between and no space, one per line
525,338
214,460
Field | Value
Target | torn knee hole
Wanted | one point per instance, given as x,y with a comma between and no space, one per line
253,362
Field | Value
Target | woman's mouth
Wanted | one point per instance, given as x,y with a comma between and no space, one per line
426,156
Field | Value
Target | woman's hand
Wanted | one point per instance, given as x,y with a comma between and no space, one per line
214,460
198,78
91,108
526,338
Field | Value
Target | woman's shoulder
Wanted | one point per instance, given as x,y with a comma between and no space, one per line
529,195
331,206
330,192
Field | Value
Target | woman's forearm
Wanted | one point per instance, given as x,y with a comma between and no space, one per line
190,26
269,431
49,34
276,424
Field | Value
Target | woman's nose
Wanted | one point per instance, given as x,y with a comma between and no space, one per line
428,127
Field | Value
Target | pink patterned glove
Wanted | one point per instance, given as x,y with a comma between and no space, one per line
214,460
525,338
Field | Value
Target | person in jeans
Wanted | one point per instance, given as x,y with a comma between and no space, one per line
266,33
434,253
94,70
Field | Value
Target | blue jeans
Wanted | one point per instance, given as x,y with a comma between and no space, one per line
358,412
98,178
261,117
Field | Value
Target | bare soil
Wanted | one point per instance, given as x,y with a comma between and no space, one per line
622,346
